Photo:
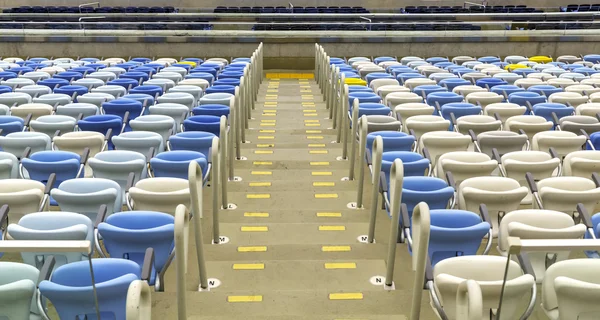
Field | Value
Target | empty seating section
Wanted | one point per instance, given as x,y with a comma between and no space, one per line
486,148
88,9
313,10
101,150
469,9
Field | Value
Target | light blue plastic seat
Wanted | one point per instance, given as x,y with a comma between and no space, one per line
9,166
18,285
139,141
506,89
357,88
414,164
409,75
546,109
87,195
52,226
10,124
120,106
143,98
161,124
70,289
116,165
220,88
192,141
378,60
489,83
16,142
175,164
596,227
127,235
178,97
459,109
216,98
425,90
455,233
443,97
545,90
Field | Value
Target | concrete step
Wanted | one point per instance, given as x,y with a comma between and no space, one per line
275,215
313,200
317,173
291,165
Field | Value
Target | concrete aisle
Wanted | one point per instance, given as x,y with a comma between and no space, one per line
294,249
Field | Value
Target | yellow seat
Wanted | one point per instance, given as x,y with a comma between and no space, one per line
355,82
514,66
540,59
191,63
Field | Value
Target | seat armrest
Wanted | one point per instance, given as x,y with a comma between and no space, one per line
383,186
404,215
427,155
101,217
525,264
369,157
26,153
553,153
47,269
27,120
428,272
130,181
4,215
50,183
496,155
485,215
147,265
473,135
596,179
450,179
531,182
85,156
150,154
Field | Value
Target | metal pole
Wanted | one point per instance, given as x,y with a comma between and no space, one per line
421,227
363,128
223,160
195,184
216,164
354,131
396,181
345,124
181,219
377,151
232,142
340,107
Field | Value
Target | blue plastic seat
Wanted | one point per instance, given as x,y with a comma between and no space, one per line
199,61
138,76
405,76
53,83
425,90
5,75
546,109
594,140
489,59
70,289
527,97
490,82
203,123
148,70
211,110
102,123
506,89
198,141
5,89
126,235
370,109
452,83
122,105
227,82
392,141
231,75
595,224
141,59
145,99
10,124
459,109
69,76
124,82
523,71
71,90
208,70
593,58
455,233
66,165
151,90
175,164
362,98
543,89
434,191
221,89
443,98
377,75
415,165
357,88
435,60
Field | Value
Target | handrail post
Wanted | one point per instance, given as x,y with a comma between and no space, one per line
241,114
363,127
377,153
332,91
421,222
232,142
353,133
181,221
340,107
195,184
325,75
344,120
316,66
223,159
216,171
396,181
139,301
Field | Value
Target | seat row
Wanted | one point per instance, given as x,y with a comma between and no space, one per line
88,9
280,9
470,9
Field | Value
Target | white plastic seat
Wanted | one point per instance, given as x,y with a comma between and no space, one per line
53,99
14,98
18,291
423,123
164,83
191,89
385,90
173,76
568,98
9,166
528,82
35,109
477,123
376,83
95,98
562,141
35,76
17,82
34,90
514,59
509,77
116,165
363,71
16,142
474,76
578,122
488,272
160,194
583,89
581,163
195,82
75,109
538,225
139,141
407,110
442,142
176,111
396,98
561,82
570,290
541,76
49,124
465,165
464,90
564,193
503,141
459,60
484,98
113,90
504,110
577,77
104,76
540,164
163,125
178,97
595,97
530,124
499,194
23,196
116,70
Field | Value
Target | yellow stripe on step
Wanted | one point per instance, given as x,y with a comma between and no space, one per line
310,114
326,196
270,111
316,145
323,184
265,145
332,228
268,120
261,173
266,131
319,163
244,298
329,214
313,131
254,229
269,114
258,196
262,163
256,214
322,173
266,137
249,266
318,151
340,265
252,249
314,137
267,124
270,102
259,184
312,125
263,151
336,248
309,110
346,296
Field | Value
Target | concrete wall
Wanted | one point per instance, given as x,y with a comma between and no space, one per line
214,3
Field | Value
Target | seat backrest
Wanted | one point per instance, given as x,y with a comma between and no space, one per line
563,142
577,300
16,142
139,141
564,193
441,142
23,196
160,194
540,164
86,195
77,141
464,165
584,270
17,290
9,166
581,163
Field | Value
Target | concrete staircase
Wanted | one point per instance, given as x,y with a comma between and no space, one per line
294,249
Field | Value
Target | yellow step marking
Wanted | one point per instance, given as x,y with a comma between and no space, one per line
332,228
244,298
329,214
340,265
336,248
318,151
263,151
254,229
271,102
249,266
261,173
322,173
309,110
268,120
270,111
311,114
313,131
266,137
256,214
267,124
262,163
316,145
346,296
310,121
312,125
323,184
314,137
269,114
271,95
252,249
319,163
259,184
326,195
266,131
258,196
265,145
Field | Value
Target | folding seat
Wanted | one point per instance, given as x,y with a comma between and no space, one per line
560,83
545,90
525,83
452,83
484,98
17,142
202,123
384,90
31,110
14,98
471,76
70,292
375,84
488,272
75,109
569,98
563,142
52,226
438,99
175,164
529,124
526,98
160,194
506,90
477,124
144,142
581,163
594,58
502,141
127,235
574,76
179,98
582,89
464,165
425,90
464,90
170,75
509,78
95,98
89,83
540,163
17,82
529,224
439,76
414,164
174,110
441,142
49,124
35,76
163,125
421,124
499,194
165,84
552,111
392,99
135,75
564,193
453,111
64,164
114,90
87,195
578,123
570,289
53,82
102,124
544,77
